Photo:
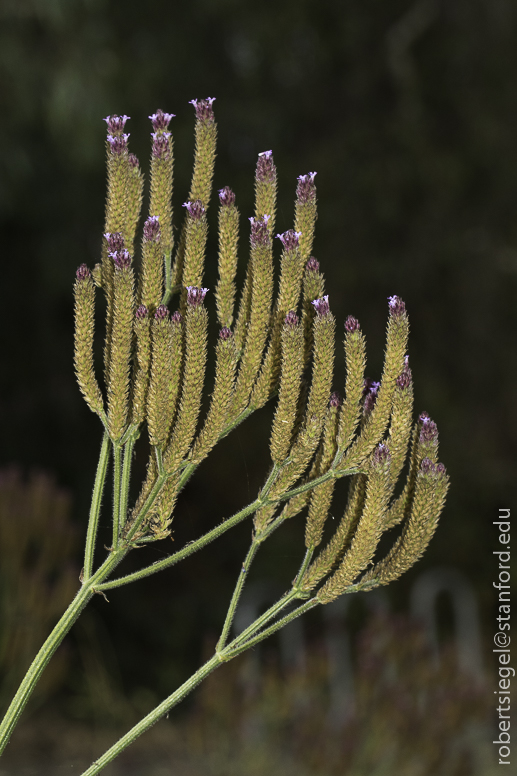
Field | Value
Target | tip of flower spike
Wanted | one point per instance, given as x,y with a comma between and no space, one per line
335,400
83,272
427,466
290,239
321,306
195,296
352,324
291,319
396,305
429,430
225,333
312,265
226,196
195,209
266,170
133,161
121,259
161,120
116,123
306,190
381,455
118,143
259,231
405,377
160,144
141,312
161,312
115,241
441,470
204,110
152,229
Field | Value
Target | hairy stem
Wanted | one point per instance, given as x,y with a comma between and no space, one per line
95,508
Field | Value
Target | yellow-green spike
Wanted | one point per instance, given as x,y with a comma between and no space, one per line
228,240
355,358
84,297
120,344
306,215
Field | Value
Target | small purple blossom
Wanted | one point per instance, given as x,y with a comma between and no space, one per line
335,400
397,306
152,229
429,431
195,296
121,259
116,123
291,320
141,312
405,377
161,120
176,317
424,417
195,209
266,170
118,143
290,239
226,196
352,324
225,333
381,455
133,161
161,312
427,466
312,265
321,306
259,231
115,241
83,272
204,110
160,144
306,190
441,470
370,391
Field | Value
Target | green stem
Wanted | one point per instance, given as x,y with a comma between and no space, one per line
155,715
95,508
51,644
265,618
155,490
124,484
303,567
236,595
117,473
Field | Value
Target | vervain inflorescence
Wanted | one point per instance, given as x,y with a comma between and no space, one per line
279,341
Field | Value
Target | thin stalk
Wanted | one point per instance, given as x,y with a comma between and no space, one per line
303,567
117,474
51,644
95,508
236,595
265,618
124,484
160,480
154,716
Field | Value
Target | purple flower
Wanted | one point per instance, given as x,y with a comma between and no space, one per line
83,272
141,312
322,306
225,333
259,231
266,170
226,196
204,110
312,265
161,120
370,391
133,160
116,123
115,241
441,470
195,209
381,455
427,466
352,324
195,296
429,431
161,312
176,317
396,305
152,229
121,259
404,378
306,190
291,320
118,143
290,239
335,400
160,144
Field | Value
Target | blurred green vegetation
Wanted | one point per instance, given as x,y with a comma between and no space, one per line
407,110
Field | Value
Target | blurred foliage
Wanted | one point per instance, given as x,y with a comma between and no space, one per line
37,576
407,110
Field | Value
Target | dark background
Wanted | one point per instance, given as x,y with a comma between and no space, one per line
407,111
